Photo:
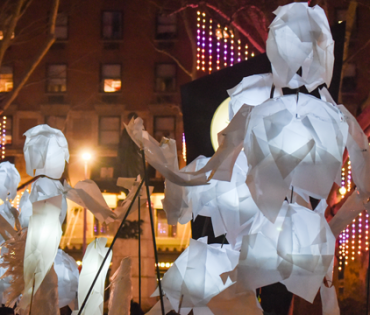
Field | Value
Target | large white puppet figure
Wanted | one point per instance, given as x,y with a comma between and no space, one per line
293,149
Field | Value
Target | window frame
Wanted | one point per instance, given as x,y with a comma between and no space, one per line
48,78
164,116
102,26
156,76
58,39
12,68
102,78
100,130
158,36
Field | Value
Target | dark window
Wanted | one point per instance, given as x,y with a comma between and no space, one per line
111,25
111,78
57,78
165,77
6,78
109,132
164,126
166,27
61,26
57,122
349,83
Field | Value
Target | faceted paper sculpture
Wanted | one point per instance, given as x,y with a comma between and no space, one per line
9,180
293,145
194,278
45,151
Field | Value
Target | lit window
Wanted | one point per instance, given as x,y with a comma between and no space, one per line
61,26
57,78
164,126
163,228
106,172
109,131
165,77
6,79
111,78
166,26
112,25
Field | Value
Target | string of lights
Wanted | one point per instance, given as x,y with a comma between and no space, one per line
217,46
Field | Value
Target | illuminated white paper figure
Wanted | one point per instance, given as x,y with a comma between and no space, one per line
45,151
91,262
43,238
9,180
67,271
194,278
298,248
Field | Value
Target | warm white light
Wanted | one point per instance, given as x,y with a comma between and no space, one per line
342,190
86,156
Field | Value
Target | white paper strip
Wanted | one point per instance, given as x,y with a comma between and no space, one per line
43,237
91,262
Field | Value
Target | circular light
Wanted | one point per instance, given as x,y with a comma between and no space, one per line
342,190
219,121
86,156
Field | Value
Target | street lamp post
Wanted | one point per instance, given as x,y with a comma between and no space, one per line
86,158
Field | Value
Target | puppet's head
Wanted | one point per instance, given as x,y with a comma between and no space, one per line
300,47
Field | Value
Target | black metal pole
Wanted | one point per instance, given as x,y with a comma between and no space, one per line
139,253
110,248
153,232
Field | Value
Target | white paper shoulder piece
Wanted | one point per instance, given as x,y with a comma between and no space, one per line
43,238
121,291
87,194
293,143
358,149
9,180
45,151
91,262
300,37
349,210
298,248
195,275
44,188
67,271
252,90
25,206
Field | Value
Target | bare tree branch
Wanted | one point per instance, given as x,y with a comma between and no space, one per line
34,63
177,61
